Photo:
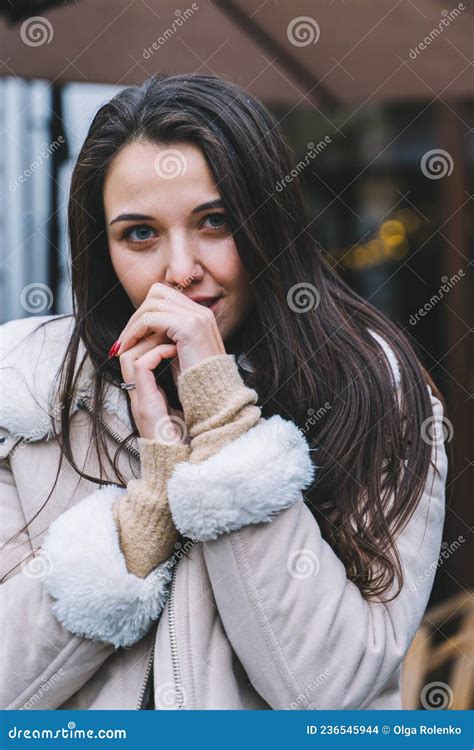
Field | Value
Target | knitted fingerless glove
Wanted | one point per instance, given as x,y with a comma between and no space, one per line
146,530
218,408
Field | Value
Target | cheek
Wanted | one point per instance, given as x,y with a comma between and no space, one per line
239,276
133,274
238,285
119,261
227,267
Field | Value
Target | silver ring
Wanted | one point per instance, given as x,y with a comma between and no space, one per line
127,386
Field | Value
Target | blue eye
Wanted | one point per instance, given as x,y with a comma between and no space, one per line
141,233
221,221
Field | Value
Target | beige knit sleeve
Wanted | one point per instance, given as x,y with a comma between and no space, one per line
146,530
218,406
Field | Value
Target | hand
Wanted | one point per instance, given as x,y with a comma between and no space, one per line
153,416
175,320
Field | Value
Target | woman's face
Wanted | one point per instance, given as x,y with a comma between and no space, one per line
171,237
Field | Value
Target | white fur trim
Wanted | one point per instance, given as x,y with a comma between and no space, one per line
28,368
95,596
247,481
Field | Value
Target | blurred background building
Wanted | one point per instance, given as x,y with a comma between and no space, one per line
377,103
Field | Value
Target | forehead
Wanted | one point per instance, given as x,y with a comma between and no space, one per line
143,175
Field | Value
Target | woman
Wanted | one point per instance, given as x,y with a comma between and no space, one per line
232,506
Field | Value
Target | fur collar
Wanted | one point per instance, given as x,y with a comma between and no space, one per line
28,368
29,365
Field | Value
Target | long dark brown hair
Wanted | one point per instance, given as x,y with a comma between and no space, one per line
308,337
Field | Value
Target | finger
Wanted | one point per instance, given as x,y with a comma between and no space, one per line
159,298
168,324
128,358
128,340
146,390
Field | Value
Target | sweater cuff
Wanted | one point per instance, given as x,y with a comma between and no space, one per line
212,393
157,460
146,530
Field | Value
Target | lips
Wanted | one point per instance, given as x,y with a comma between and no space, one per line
214,304
209,302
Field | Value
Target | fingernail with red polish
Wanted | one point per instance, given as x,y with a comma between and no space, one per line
114,349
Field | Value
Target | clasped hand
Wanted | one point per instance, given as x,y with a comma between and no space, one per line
167,325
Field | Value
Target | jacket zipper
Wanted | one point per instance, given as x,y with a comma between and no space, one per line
145,681
173,644
174,653
171,611
85,400
118,438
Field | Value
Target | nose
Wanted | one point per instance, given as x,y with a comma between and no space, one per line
182,265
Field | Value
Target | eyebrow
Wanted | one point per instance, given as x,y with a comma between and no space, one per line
143,217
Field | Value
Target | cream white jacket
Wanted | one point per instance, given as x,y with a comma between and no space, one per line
258,614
